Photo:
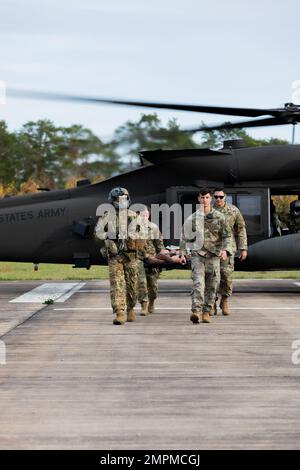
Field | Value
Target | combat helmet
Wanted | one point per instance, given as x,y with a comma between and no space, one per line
119,198
295,208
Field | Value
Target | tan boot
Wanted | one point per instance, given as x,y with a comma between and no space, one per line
144,311
151,306
224,305
195,317
206,317
131,315
120,318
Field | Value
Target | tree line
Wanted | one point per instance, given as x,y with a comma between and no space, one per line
41,154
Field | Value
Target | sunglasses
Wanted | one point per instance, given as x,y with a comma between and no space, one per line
219,197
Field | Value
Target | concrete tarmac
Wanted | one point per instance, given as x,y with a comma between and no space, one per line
70,379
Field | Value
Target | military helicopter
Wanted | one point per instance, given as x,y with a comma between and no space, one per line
57,226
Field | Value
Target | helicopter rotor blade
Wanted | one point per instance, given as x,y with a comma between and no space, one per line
39,95
240,125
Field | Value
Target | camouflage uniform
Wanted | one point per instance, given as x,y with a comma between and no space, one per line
123,276
206,262
292,222
148,277
122,260
238,241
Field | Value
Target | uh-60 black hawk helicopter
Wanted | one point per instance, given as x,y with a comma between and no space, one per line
57,226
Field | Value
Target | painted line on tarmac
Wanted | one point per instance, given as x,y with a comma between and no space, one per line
161,291
182,308
83,308
58,292
66,296
265,308
96,291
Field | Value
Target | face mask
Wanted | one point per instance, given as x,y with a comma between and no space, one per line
121,203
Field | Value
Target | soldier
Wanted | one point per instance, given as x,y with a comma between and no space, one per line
206,252
292,220
122,248
275,221
238,241
148,276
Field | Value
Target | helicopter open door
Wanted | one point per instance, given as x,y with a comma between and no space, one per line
254,204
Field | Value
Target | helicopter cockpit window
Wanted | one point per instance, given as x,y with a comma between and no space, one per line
250,207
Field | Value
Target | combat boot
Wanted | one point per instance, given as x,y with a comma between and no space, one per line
144,311
130,315
206,317
224,305
195,317
151,306
120,318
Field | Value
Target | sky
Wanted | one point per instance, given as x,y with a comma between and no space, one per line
228,53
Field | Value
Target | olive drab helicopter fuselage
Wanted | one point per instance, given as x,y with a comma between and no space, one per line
58,226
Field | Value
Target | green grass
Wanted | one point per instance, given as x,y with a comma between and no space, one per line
24,271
